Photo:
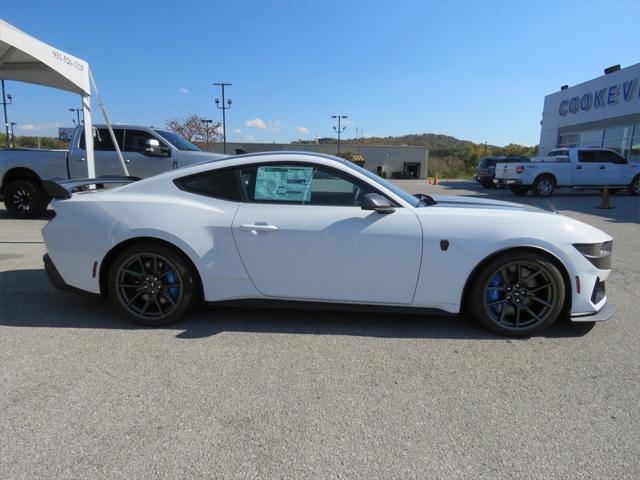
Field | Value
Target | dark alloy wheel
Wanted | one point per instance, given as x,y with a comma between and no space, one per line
519,190
25,199
543,186
519,294
634,188
151,284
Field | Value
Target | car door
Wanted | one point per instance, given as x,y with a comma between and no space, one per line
616,170
142,160
588,170
302,234
105,156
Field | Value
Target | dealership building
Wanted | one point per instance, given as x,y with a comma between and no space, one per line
603,112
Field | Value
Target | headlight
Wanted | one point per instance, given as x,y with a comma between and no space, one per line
599,254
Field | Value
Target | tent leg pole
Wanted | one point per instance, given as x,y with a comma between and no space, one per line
88,136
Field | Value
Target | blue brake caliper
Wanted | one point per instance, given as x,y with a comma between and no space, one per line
493,294
171,279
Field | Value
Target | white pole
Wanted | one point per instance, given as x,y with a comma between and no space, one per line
88,136
106,118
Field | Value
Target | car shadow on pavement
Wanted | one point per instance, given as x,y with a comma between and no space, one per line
27,299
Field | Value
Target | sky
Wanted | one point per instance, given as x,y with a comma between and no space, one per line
475,70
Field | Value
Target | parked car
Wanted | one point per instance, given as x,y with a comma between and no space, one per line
486,168
146,150
570,167
292,228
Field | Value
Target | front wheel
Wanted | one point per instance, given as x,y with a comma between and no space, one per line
634,188
152,284
518,294
25,199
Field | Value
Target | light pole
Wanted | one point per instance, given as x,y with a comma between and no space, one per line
77,110
207,125
224,108
340,129
4,105
13,137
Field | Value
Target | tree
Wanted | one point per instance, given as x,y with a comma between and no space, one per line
193,129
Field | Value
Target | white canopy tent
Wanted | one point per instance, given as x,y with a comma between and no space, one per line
26,59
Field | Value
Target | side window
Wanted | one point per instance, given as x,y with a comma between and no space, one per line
136,140
587,156
102,140
301,184
330,187
612,157
221,184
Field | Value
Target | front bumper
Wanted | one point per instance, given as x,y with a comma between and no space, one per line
483,178
605,313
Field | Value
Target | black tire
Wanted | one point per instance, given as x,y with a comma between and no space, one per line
519,190
152,285
487,185
634,188
612,191
504,300
544,185
25,199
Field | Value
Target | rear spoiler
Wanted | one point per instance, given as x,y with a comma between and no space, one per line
61,189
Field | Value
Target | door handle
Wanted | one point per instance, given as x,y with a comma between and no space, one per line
602,167
578,167
258,228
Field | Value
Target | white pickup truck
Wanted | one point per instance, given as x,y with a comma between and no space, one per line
570,167
147,151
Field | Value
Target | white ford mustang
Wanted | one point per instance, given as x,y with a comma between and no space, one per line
302,228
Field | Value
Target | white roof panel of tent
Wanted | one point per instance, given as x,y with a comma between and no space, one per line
27,59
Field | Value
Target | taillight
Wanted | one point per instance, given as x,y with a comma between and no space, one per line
519,169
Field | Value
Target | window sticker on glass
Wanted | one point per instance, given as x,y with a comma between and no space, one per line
287,184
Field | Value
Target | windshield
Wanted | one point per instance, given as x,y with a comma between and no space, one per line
407,197
177,141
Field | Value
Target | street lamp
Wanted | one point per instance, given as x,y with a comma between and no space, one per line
224,108
13,137
6,100
77,110
339,129
207,125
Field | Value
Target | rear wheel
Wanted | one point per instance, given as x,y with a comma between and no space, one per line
544,186
152,284
518,294
634,188
25,199
519,190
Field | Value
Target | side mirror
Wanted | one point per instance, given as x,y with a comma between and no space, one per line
154,149
375,201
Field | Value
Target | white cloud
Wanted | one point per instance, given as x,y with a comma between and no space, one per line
250,138
184,90
34,127
237,131
256,123
302,130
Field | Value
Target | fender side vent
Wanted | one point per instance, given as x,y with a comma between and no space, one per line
444,245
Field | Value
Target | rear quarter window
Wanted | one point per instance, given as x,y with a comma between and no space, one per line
221,184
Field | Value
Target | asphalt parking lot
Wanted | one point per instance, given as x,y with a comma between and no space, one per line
232,393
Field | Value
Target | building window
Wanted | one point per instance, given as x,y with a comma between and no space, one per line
568,140
634,148
618,139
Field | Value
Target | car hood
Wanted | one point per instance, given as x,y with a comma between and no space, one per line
450,201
